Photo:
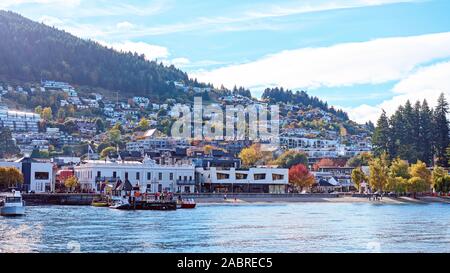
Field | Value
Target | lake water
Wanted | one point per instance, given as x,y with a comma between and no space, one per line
299,227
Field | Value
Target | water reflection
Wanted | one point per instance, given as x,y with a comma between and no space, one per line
317,227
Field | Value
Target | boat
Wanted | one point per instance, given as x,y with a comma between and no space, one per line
13,205
120,204
100,203
187,204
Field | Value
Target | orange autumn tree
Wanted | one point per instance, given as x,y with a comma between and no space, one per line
327,162
300,176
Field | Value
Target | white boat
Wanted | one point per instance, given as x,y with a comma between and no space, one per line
13,205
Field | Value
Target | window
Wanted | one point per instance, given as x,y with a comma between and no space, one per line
149,176
114,174
160,176
277,177
185,178
99,174
41,175
126,175
138,176
241,176
222,176
260,176
171,176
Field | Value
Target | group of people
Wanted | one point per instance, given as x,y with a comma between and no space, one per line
375,197
164,196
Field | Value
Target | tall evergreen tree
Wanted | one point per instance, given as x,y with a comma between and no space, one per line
381,136
398,134
441,131
426,136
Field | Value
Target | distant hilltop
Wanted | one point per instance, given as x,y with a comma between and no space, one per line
31,51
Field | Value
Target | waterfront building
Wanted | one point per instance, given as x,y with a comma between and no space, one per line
147,175
37,175
233,180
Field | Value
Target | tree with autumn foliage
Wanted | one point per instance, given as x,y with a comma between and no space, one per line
301,177
421,178
71,183
291,158
327,162
10,177
253,155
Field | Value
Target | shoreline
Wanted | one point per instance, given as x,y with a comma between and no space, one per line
342,199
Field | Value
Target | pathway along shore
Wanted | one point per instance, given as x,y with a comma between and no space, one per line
312,199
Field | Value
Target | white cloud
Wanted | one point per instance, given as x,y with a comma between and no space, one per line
252,18
180,62
124,25
317,6
424,83
66,3
346,64
151,52
51,21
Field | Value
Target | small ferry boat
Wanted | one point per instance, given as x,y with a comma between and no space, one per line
13,205
144,205
186,204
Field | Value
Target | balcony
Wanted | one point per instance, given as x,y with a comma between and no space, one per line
186,182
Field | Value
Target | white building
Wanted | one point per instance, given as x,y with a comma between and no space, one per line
253,180
38,176
149,176
141,101
19,121
291,142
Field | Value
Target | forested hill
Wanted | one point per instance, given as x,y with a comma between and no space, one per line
300,98
31,51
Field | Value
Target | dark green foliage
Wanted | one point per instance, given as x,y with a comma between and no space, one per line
31,51
414,133
8,147
380,140
441,131
275,95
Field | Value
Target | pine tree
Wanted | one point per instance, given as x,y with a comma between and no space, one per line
398,134
441,131
381,136
426,136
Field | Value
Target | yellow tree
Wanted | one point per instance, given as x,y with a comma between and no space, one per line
144,124
421,178
358,177
71,183
398,176
47,113
250,156
10,177
207,149
378,168
441,180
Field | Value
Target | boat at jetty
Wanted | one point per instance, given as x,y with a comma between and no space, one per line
13,205
186,204
133,204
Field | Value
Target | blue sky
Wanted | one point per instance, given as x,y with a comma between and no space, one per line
359,55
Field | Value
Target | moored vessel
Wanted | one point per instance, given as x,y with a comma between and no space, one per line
186,204
13,205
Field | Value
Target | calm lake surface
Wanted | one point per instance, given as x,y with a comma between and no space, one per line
299,227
